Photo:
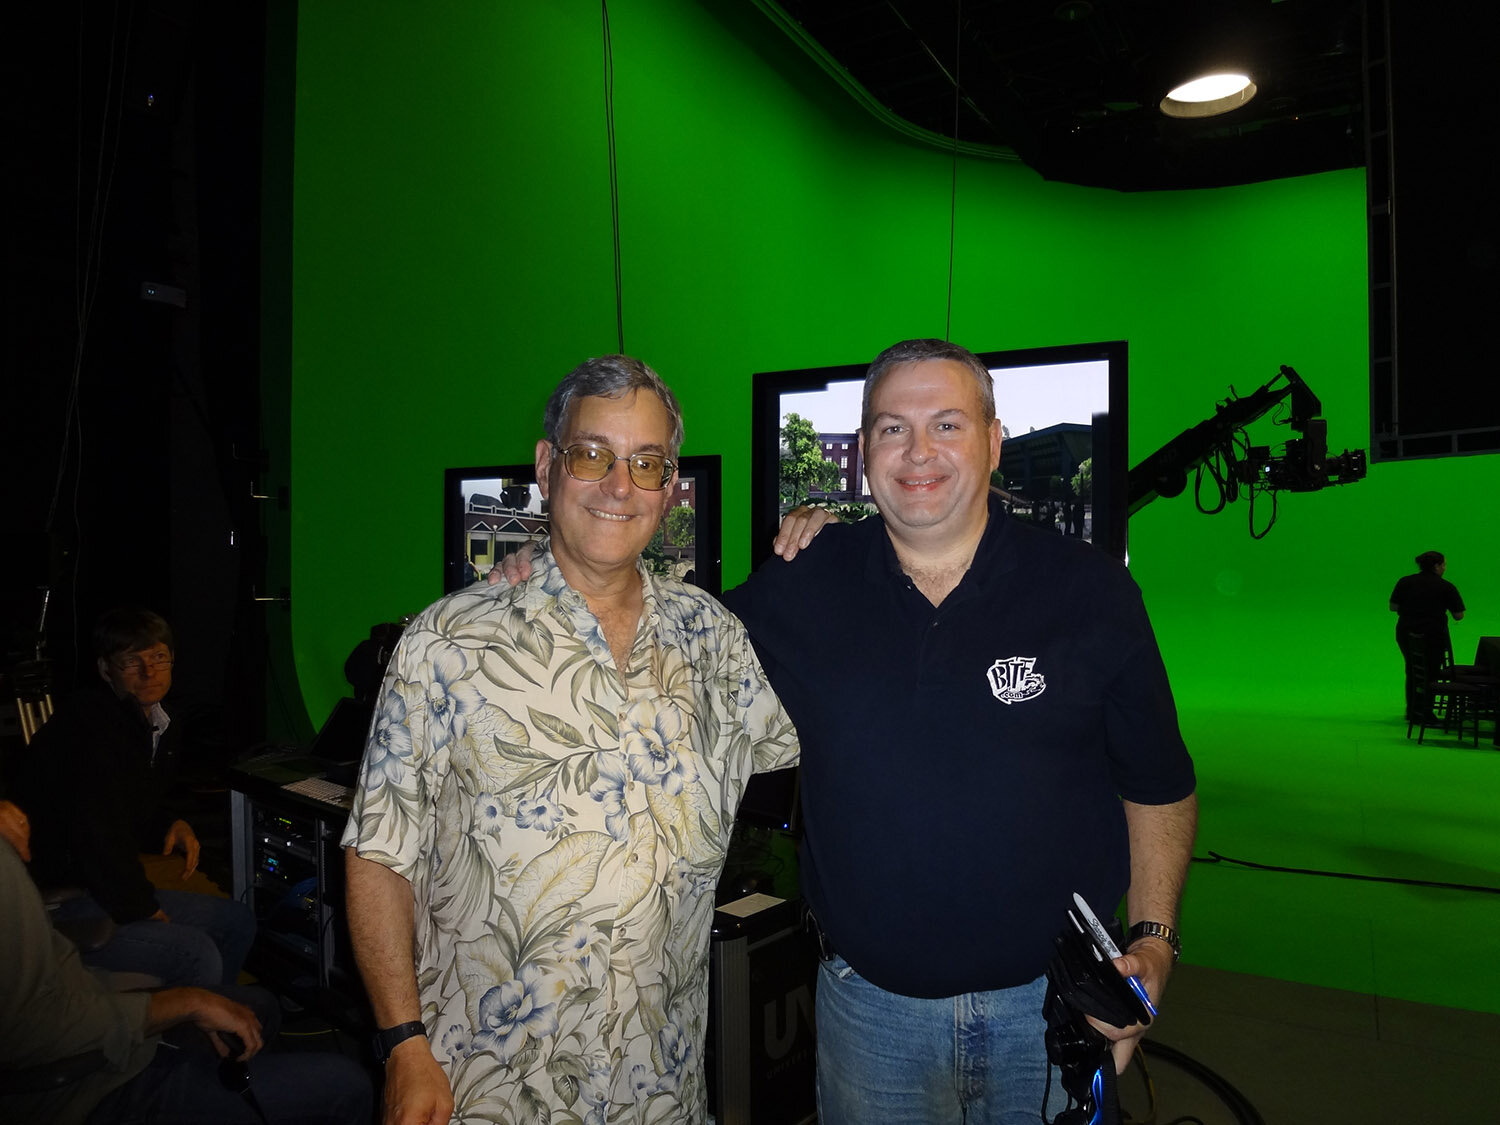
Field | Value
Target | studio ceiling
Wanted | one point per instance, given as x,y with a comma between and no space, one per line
1072,86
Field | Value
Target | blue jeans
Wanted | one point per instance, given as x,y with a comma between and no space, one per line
887,1059
204,944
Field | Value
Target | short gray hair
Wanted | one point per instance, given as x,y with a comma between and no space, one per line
919,351
610,376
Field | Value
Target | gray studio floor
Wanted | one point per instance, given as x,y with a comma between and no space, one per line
1304,1055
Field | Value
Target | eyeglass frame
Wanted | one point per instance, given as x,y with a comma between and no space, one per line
668,465
139,665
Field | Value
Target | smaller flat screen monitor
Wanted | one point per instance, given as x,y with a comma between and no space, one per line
493,510
1062,463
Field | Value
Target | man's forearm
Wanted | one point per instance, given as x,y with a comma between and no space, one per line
379,905
1161,847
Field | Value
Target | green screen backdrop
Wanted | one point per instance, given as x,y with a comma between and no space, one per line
452,260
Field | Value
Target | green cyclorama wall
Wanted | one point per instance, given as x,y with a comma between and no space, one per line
452,260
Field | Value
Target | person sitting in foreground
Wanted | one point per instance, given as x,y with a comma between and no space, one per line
72,1050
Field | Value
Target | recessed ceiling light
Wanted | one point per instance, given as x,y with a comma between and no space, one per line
1209,96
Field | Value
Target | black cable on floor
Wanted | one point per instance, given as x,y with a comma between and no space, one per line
1238,1105
1215,857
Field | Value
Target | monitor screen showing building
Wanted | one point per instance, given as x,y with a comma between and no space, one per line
1062,457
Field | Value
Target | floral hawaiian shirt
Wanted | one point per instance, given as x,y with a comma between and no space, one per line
563,833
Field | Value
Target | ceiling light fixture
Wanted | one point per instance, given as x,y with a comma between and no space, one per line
1208,96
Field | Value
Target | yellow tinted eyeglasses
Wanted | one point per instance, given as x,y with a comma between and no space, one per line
586,462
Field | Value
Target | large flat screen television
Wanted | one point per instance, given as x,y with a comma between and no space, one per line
1062,460
491,511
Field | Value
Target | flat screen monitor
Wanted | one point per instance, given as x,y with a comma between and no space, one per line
1062,459
491,511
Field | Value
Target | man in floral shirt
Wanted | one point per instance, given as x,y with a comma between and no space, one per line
546,800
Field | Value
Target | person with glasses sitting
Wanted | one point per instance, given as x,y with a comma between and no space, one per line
99,781
546,801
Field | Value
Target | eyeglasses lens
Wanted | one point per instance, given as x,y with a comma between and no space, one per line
649,471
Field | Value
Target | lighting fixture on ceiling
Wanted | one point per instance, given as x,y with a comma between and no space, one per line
1208,96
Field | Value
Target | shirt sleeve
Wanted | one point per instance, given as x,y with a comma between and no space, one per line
773,738
1149,763
392,821
54,1007
1455,600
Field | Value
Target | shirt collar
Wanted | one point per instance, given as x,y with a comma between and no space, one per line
994,555
548,591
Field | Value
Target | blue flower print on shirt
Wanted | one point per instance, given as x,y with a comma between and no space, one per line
573,946
676,1055
609,791
642,1082
538,813
687,880
751,685
695,618
488,815
594,1090
512,1012
450,698
457,1042
389,748
653,737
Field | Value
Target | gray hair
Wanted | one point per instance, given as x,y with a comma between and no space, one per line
610,376
919,351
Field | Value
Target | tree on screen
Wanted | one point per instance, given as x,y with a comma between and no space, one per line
681,526
1083,480
803,470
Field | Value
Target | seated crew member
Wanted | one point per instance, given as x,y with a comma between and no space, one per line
98,782
71,1050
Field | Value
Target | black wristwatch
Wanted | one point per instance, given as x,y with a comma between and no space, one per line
385,1041
1158,930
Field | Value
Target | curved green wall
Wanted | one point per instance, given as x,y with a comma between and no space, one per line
452,260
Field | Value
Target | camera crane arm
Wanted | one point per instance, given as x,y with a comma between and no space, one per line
1165,472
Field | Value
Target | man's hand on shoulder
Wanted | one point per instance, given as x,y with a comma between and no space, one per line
799,527
181,835
416,1089
514,568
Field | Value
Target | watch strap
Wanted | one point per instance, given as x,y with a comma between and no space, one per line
386,1039
1161,931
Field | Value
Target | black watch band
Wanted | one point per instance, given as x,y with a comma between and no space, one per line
1161,931
386,1039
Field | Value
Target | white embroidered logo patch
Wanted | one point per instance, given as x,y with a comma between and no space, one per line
1013,681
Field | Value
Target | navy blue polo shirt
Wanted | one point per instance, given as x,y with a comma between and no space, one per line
962,765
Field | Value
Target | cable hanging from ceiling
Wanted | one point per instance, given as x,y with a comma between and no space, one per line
958,60
614,172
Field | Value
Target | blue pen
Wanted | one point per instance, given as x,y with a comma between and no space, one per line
1107,943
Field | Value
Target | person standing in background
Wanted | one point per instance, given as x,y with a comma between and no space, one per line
1422,602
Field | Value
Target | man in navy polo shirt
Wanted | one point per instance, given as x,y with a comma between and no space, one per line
1006,737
